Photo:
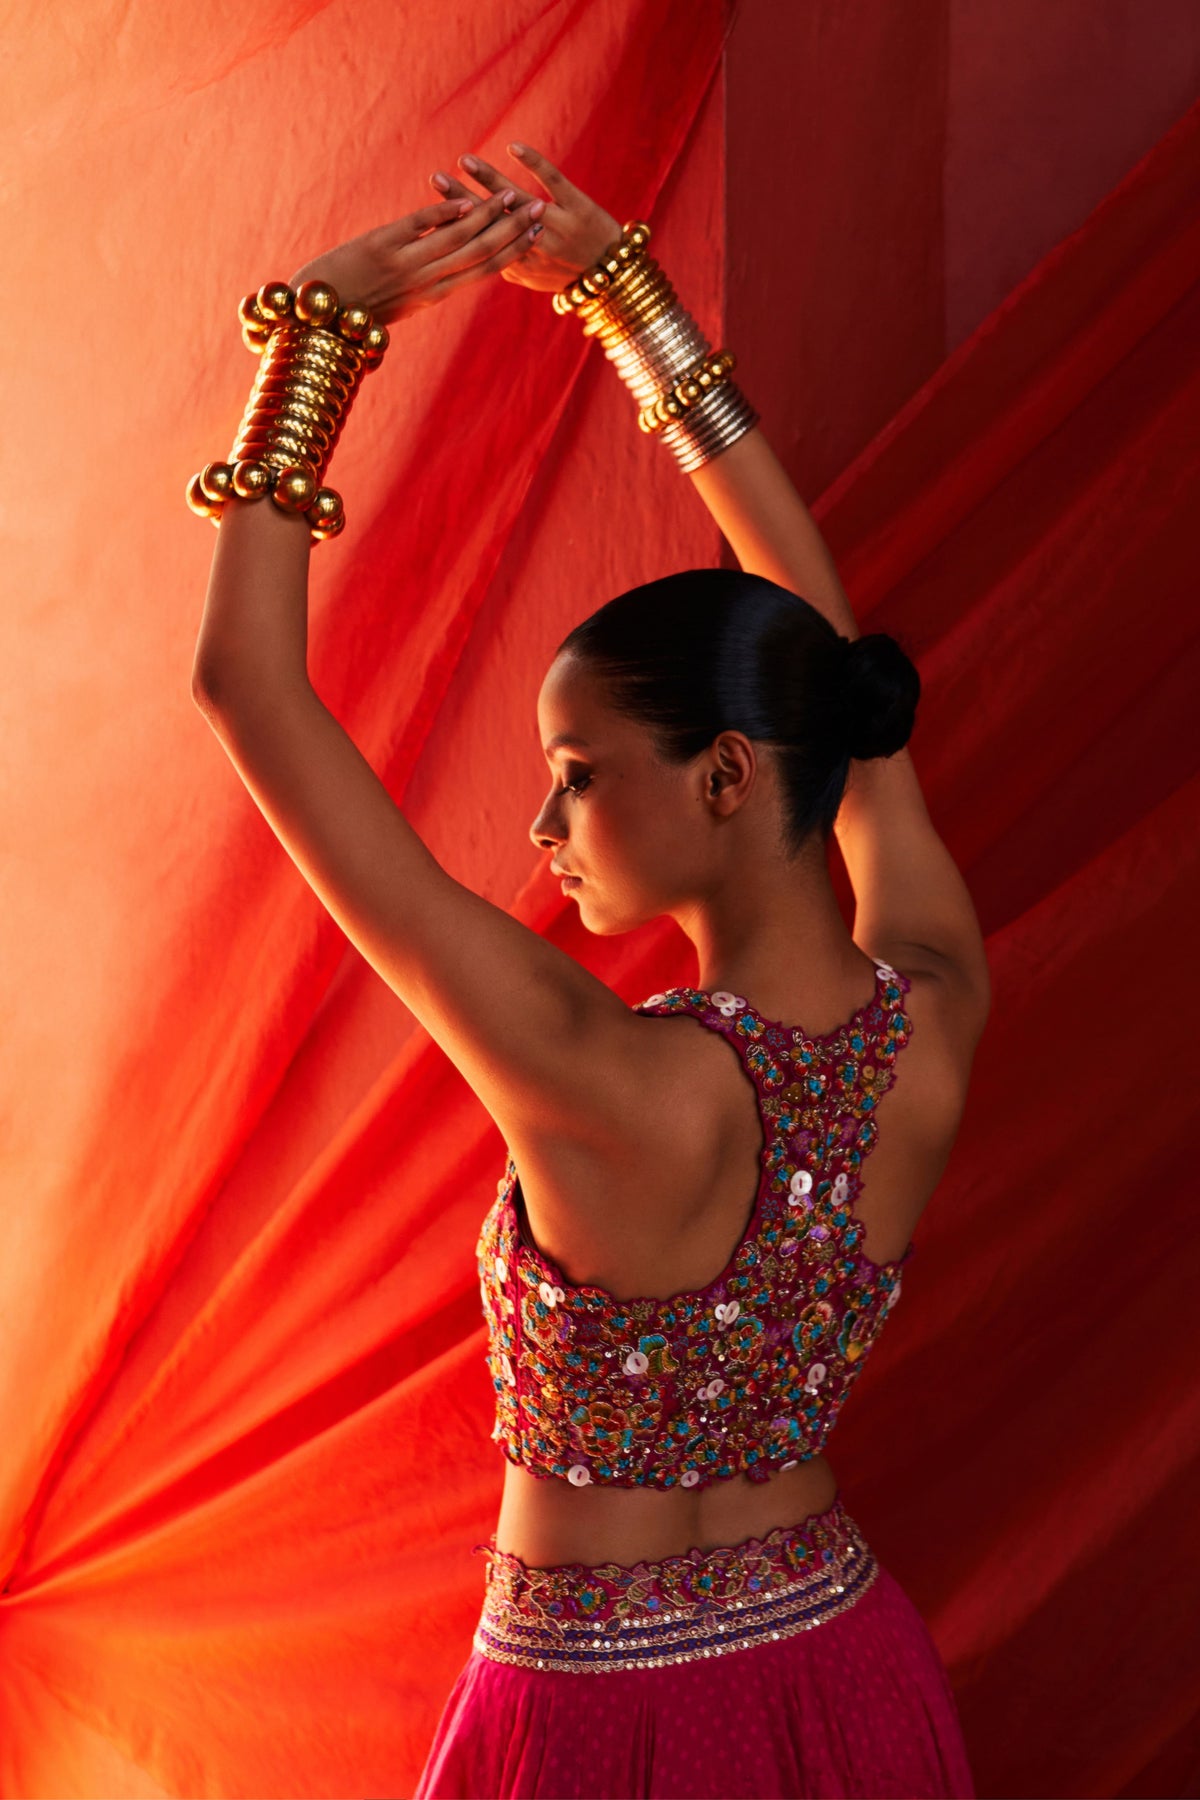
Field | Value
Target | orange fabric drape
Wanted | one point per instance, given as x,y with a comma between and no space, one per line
244,1407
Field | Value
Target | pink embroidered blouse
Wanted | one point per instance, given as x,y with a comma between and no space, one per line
748,1374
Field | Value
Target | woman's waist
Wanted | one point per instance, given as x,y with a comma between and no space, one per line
653,1611
547,1522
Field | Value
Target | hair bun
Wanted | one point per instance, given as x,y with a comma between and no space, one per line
690,655
880,689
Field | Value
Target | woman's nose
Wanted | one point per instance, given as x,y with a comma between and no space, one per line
541,833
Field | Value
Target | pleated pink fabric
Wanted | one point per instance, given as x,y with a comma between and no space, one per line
859,1705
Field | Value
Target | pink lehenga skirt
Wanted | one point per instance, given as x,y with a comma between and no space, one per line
793,1664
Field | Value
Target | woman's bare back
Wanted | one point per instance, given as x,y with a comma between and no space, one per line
663,1214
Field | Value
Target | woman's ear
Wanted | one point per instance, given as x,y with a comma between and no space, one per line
732,779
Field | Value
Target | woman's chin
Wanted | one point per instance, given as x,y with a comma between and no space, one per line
592,917
601,922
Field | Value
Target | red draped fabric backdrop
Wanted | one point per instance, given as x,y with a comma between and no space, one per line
244,1409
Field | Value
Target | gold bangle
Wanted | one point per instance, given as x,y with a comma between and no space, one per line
607,270
313,353
687,392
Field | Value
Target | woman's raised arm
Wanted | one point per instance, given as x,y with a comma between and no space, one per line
466,968
912,904
769,528
911,900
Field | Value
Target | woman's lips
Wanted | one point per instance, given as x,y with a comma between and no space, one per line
570,881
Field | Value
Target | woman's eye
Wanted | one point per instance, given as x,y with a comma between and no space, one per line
575,787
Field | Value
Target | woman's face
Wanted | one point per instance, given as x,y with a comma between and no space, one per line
636,831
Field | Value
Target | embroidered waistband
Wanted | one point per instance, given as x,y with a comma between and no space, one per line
649,1614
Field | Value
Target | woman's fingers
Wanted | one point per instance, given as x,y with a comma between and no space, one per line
453,190
490,178
499,259
488,229
442,212
465,222
552,179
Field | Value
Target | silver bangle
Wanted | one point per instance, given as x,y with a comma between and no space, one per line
651,363
653,355
710,427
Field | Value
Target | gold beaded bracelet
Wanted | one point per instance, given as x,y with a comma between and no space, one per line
626,300
616,262
688,391
314,353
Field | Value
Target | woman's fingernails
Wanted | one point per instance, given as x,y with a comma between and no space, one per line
536,230
518,149
508,196
466,207
440,181
469,162
537,209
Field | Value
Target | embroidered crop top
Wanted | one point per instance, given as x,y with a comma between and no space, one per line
747,1375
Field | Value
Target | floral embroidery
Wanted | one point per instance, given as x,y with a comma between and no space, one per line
652,1614
749,1375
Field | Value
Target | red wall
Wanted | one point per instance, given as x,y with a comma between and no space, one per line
1048,106
893,170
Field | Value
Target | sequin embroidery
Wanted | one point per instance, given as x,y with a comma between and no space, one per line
748,1375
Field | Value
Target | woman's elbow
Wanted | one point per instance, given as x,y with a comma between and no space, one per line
213,689
204,684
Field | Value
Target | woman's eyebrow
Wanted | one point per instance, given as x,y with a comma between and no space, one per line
563,739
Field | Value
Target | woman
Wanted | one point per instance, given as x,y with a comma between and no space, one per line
667,1359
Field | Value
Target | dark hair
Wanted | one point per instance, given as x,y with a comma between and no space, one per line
711,650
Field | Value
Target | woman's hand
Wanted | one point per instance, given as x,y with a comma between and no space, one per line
577,233
394,270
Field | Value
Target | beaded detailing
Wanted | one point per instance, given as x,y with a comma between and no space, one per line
707,1603
747,1375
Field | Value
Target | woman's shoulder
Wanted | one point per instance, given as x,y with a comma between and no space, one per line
946,1020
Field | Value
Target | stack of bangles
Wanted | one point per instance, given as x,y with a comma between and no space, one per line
314,352
682,387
